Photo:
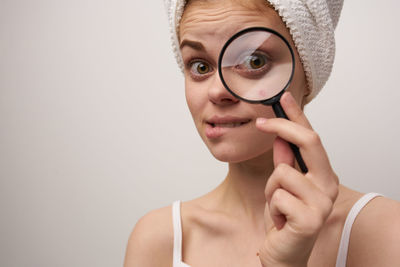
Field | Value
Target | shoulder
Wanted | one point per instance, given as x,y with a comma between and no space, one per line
375,236
152,235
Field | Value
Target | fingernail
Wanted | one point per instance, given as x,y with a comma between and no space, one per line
260,121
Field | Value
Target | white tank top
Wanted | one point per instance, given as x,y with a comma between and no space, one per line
344,241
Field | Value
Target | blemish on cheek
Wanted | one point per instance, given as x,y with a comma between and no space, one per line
262,94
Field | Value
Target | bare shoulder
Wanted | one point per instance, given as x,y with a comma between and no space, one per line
151,241
375,236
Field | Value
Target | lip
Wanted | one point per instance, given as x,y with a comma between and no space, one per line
217,126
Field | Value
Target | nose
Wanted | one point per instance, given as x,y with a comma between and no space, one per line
218,94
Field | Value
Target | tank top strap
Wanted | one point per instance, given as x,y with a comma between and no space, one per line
176,221
344,241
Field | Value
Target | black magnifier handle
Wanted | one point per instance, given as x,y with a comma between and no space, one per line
280,113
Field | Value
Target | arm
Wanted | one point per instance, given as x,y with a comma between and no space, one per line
375,236
298,204
151,241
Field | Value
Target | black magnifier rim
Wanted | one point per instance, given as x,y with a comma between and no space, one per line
268,101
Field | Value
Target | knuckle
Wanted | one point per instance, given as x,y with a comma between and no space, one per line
314,139
322,211
277,195
282,170
326,207
317,217
314,223
266,192
332,188
334,192
335,179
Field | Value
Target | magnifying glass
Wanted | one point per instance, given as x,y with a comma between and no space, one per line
256,65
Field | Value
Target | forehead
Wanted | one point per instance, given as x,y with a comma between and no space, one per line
223,18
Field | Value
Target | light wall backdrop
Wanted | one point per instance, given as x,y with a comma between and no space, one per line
95,132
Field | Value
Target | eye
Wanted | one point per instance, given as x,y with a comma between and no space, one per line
256,61
253,65
200,67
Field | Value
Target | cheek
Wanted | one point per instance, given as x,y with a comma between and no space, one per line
194,98
263,111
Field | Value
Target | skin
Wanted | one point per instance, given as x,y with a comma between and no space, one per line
265,212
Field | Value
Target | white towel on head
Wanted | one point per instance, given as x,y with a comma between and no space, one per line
311,24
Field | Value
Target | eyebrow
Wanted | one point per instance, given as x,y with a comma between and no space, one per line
193,44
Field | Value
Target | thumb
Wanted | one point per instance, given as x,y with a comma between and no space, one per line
282,152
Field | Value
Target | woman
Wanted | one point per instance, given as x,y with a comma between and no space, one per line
266,212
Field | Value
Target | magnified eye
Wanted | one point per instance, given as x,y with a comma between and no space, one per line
255,61
253,65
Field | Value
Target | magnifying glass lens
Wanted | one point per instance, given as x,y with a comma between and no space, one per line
256,65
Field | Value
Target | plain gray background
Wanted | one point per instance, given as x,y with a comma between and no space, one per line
95,132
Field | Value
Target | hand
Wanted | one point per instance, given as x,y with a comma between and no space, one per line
298,204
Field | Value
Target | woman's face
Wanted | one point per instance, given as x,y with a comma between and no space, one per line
226,125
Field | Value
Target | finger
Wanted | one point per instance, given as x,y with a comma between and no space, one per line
307,140
314,201
284,207
293,110
291,180
287,212
282,152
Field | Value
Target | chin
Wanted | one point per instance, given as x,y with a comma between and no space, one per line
236,153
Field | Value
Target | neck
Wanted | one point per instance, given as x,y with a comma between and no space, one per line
242,192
